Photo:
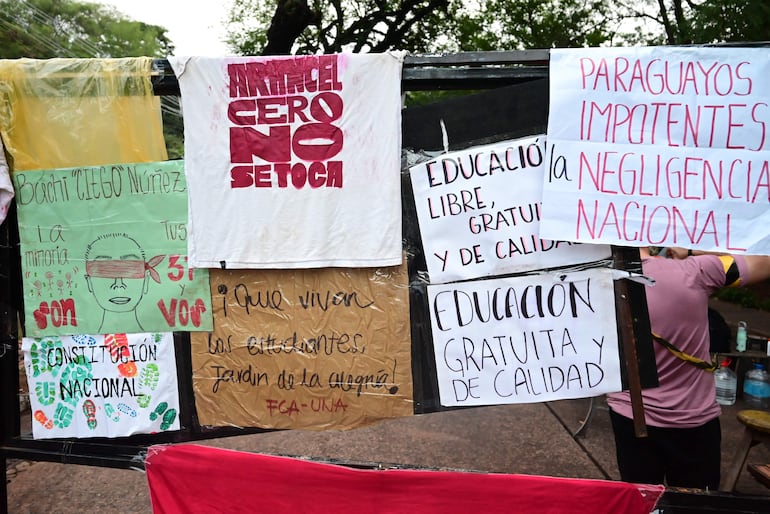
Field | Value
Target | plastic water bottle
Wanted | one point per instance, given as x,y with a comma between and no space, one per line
740,337
756,388
727,383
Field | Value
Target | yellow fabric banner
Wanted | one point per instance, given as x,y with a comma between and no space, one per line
59,113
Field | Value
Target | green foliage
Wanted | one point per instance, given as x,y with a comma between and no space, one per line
427,26
745,297
681,22
43,29
717,21
526,24
248,22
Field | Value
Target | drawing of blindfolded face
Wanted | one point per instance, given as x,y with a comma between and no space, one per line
116,273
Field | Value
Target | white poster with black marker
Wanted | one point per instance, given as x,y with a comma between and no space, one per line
525,339
110,385
479,211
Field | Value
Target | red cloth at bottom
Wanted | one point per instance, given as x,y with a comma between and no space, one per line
201,479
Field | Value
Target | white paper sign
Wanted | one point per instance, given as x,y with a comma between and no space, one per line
479,213
109,385
525,339
660,146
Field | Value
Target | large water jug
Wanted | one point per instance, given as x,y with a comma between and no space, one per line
727,383
756,388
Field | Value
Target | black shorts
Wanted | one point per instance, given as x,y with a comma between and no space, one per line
676,457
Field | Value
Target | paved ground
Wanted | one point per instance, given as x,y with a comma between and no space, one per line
530,439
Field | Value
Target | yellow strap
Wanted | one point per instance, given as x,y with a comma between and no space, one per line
689,359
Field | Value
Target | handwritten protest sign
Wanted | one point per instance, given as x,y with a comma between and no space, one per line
110,385
660,146
103,249
315,138
525,339
479,213
313,349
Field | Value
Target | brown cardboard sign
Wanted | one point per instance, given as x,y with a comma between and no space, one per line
316,349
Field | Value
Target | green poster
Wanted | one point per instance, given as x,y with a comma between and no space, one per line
104,250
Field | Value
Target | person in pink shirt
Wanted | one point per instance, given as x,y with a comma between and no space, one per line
682,448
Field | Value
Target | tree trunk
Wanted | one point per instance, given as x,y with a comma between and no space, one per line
291,18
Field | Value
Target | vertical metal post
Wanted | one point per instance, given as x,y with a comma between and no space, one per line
10,304
623,260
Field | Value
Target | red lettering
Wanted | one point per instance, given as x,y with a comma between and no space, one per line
621,66
267,110
298,175
311,84
297,106
326,107
169,316
196,311
292,68
305,145
246,80
671,121
717,82
586,72
238,84
284,76
181,310
236,107
61,312
245,142
56,314
334,174
732,124
327,73
241,176
316,175
749,82
282,407
761,123
41,314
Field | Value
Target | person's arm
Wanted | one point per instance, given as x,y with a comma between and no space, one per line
758,268
677,252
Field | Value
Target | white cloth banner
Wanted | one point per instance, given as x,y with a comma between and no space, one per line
525,339
293,162
479,213
111,385
660,146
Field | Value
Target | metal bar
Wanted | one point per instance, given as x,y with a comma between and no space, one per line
466,70
689,501
422,79
10,305
539,56
626,328
63,456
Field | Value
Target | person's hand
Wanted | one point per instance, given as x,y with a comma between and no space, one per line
677,252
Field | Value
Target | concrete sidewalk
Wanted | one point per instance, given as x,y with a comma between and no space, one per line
530,439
